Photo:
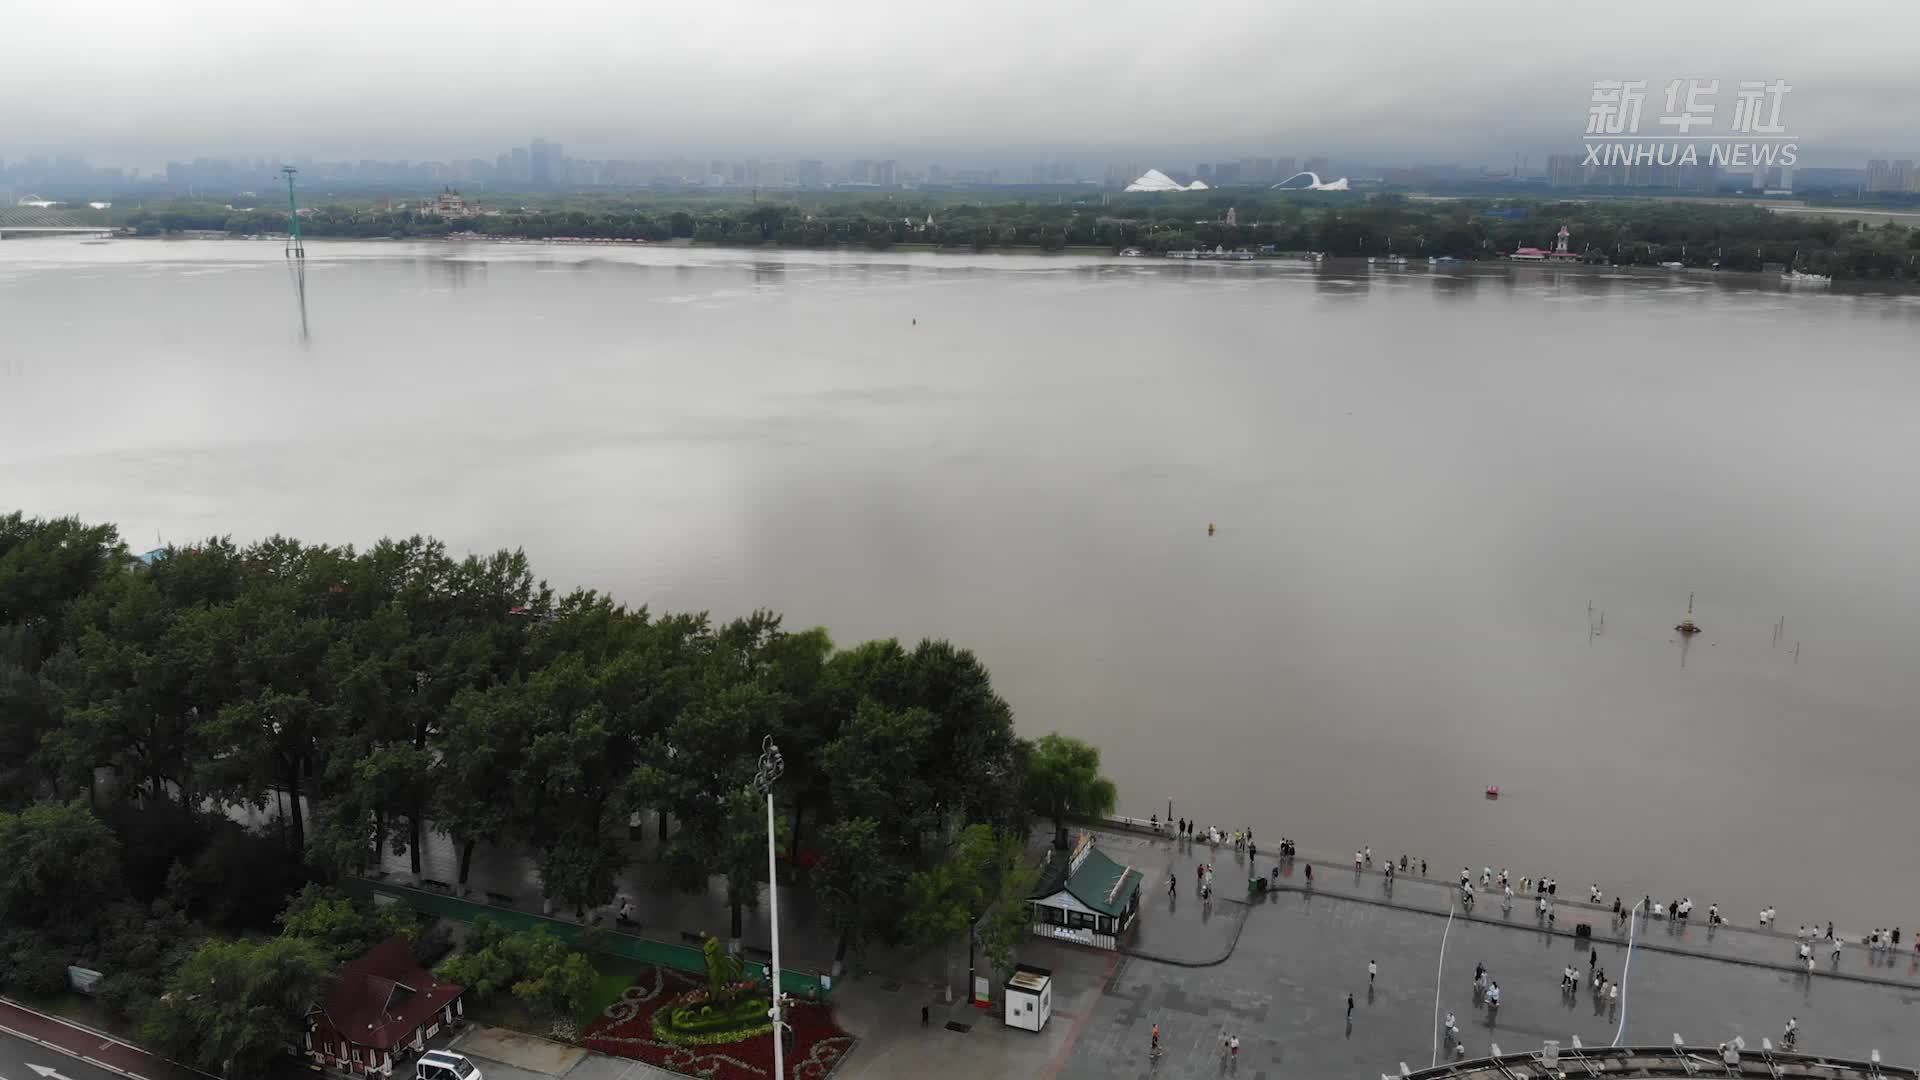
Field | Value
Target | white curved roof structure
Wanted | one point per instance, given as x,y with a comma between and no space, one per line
1155,180
1314,183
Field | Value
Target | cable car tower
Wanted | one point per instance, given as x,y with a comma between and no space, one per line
296,248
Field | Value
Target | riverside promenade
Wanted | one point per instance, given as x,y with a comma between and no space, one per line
1276,971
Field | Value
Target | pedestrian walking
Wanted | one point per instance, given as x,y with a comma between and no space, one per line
1349,1006
1368,852
1896,936
1156,1037
1309,873
1593,958
1423,868
925,1014
1372,970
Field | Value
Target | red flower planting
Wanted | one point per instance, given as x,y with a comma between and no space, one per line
626,1029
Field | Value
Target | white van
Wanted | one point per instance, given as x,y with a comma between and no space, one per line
444,1065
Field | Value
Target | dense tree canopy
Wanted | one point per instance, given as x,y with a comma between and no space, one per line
358,700
1621,231
235,1006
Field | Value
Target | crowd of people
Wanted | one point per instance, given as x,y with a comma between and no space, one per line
1882,944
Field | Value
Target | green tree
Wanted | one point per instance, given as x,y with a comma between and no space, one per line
535,965
62,864
473,782
552,978
235,1006
1063,780
860,882
983,883
342,927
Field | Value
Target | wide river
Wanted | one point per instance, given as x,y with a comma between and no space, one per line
1421,481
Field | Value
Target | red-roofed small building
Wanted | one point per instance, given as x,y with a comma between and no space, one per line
380,1003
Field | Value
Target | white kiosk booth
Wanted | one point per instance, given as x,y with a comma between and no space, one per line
1029,997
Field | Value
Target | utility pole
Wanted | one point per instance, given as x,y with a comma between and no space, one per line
296,247
769,770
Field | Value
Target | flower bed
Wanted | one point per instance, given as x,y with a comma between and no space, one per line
632,1027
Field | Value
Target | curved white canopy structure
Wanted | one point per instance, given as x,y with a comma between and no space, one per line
1314,183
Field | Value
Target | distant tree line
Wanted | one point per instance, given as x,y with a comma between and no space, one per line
1631,232
373,697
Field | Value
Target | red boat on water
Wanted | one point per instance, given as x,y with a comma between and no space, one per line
1493,791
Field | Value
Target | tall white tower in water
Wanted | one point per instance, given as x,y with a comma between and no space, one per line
1560,241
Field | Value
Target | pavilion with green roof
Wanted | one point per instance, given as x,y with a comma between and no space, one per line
1087,898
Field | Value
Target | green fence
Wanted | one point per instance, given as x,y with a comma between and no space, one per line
629,946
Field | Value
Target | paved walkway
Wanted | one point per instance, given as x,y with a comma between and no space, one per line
512,1055
1265,966
86,1044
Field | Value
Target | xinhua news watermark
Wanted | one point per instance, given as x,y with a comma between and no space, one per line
1748,135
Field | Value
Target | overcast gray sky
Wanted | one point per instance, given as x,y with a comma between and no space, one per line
139,82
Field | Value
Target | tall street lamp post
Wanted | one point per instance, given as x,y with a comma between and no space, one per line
771,766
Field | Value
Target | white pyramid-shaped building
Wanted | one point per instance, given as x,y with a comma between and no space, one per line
1155,180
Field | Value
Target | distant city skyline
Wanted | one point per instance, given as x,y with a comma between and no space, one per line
542,163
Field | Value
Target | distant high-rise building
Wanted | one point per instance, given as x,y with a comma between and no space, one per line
544,163
1904,178
1879,175
810,174
1318,166
1565,170
1226,172
885,173
1204,172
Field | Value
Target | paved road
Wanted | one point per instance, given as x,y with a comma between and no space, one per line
16,1055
